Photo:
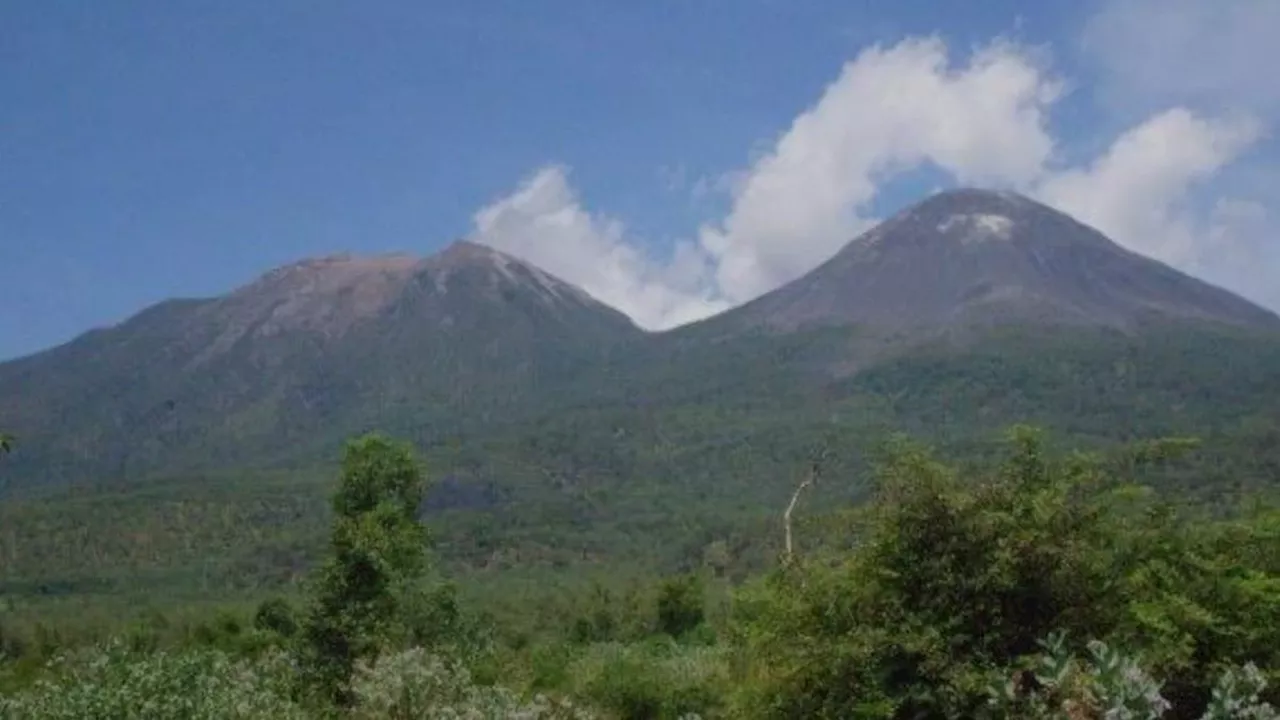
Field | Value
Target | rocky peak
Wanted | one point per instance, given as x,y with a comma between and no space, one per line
325,296
979,257
500,270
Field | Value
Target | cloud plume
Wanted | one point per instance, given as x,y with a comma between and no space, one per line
891,110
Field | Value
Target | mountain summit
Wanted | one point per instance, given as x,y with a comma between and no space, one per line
304,354
975,257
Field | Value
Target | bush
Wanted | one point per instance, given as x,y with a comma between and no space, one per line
115,682
276,616
680,605
1111,684
549,666
416,684
658,679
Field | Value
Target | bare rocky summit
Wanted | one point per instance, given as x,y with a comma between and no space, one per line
981,258
326,296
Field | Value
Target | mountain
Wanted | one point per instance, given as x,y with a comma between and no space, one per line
459,344
966,258
555,431
957,317
300,357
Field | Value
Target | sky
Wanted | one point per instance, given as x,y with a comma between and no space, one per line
672,157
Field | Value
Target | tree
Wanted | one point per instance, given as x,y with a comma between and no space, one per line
680,605
377,549
718,557
955,573
6,447
276,615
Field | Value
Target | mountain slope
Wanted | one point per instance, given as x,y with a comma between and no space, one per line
557,432
299,357
457,345
966,258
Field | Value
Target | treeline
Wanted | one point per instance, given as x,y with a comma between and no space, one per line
1043,584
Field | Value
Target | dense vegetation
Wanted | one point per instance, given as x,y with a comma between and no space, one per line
1042,584
612,550
641,465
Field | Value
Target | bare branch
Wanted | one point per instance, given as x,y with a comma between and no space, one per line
818,457
786,518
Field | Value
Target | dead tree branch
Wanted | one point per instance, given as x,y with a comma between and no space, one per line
815,469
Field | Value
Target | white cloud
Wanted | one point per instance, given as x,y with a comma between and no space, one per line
1136,192
892,110
1219,57
544,223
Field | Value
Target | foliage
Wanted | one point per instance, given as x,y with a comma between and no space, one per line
645,460
652,679
908,606
276,615
210,685
415,684
1112,685
1239,695
1109,683
378,547
949,580
680,605
115,682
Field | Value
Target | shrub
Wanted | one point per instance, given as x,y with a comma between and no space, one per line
416,684
658,679
1111,684
680,605
116,682
277,616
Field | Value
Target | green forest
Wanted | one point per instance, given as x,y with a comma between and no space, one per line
1037,581
707,528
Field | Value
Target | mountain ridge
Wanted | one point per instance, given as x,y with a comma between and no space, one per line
553,428
470,339
386,272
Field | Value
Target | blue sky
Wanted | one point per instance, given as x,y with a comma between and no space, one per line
654,152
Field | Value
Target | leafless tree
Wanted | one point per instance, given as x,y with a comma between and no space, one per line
816,460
